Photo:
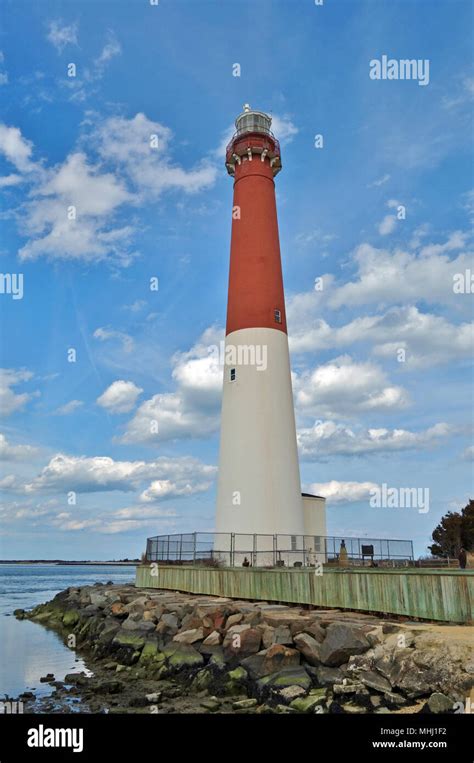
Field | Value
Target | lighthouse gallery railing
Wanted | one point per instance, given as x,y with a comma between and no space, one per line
237,549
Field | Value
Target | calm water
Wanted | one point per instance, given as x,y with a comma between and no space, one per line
28,650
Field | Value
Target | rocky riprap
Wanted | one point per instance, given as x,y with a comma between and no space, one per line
160,651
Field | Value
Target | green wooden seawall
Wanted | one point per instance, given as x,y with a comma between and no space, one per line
431,594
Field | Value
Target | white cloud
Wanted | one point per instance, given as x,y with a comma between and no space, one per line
427,339
72,209
327,438
16,148
468,453
95,197
160,489
60,35
343,387
9,452
343,492
65,410
85,474
10,402
104,334
380,181
120,396
136,306
283,129
191,411
120,521
315,236
387,225
110,50
149,168
9,180
383,278
391,278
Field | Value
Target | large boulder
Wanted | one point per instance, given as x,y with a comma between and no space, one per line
278,657
138,625
181,656
132,640
189,637
234,619
271,686
242,641
271,660
70,618
316,631
236,682
341,642
329,676
308,704
309,648
214,639
374,681
118,609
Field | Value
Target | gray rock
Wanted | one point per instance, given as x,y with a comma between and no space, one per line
375,681
181,656
244,704
271,660
353,709
440,703
212,704
347,688
214,639
170,620
316,631
290,693
282,635
393,699
138,625
268,635
98,599
234,620
288,677
309,648
329,676
342,642
189,637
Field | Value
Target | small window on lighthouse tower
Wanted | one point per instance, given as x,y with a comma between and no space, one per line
277,314
232,374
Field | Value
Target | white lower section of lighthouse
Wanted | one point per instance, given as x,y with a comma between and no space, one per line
259,488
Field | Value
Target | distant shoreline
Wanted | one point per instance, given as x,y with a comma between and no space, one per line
62,562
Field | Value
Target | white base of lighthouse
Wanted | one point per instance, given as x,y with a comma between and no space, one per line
259,488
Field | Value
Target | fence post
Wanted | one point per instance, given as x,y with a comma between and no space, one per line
194,548
232,549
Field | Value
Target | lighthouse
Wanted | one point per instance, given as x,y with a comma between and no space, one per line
259,490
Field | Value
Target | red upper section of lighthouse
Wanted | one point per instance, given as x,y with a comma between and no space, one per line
256,297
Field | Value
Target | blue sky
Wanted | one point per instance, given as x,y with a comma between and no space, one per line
84,474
